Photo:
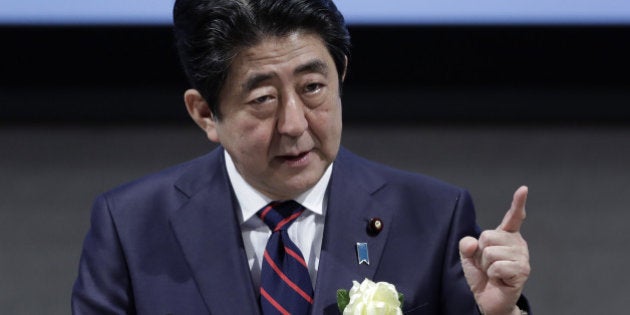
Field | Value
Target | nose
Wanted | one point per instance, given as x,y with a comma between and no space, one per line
291,116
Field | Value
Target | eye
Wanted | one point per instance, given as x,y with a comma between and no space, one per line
313,88
262,99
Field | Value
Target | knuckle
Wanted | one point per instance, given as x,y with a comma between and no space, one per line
526,270
490,253
486,237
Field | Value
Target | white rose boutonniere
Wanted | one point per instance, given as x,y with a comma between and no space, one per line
369,298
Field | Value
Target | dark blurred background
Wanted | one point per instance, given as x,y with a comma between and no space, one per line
487,107
498,74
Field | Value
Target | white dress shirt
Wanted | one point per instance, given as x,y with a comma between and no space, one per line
306,231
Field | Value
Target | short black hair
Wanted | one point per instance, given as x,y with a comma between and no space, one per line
210,33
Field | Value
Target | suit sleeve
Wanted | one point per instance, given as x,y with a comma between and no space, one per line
103,285
456,295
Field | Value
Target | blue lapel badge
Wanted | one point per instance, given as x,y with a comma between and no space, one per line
362,253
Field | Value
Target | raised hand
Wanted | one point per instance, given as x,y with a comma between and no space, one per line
496,265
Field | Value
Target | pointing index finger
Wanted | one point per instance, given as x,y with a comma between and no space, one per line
514,217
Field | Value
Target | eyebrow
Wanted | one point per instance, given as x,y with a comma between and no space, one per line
255,80
316,66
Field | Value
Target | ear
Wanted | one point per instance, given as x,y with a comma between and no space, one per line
345,68
199,111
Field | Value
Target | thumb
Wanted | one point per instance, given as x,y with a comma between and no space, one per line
514,217
470,255
468,247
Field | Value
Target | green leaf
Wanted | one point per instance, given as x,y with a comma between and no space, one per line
401,298
343,298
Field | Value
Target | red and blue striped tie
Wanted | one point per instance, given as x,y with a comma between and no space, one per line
285,282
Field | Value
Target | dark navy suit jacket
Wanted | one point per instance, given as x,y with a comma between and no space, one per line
170,243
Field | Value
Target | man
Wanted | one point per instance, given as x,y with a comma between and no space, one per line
194,239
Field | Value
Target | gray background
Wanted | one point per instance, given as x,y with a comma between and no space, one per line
488,108
577,209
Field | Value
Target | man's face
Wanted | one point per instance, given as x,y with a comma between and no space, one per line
281,114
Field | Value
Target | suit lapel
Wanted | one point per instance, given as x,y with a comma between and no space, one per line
206,227
351,205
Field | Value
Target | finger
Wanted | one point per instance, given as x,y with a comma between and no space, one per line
514,217
493,254
510,273
489,238
468,246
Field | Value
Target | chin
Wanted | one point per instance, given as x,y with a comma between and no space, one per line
294,189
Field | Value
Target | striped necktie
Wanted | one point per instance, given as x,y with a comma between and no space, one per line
285,282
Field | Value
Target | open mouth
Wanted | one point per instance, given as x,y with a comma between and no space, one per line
292,158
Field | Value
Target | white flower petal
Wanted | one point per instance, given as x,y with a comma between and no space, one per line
369,298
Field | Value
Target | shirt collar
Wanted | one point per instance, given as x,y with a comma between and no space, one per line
251,200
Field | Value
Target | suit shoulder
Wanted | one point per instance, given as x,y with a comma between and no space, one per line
165,176
162,186
400,179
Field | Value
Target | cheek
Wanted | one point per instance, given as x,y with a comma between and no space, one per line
326,125
251,135
327,119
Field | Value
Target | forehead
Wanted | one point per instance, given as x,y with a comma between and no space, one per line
276,54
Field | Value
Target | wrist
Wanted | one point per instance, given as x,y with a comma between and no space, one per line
515,311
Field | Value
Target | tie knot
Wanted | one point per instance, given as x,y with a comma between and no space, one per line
279,215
